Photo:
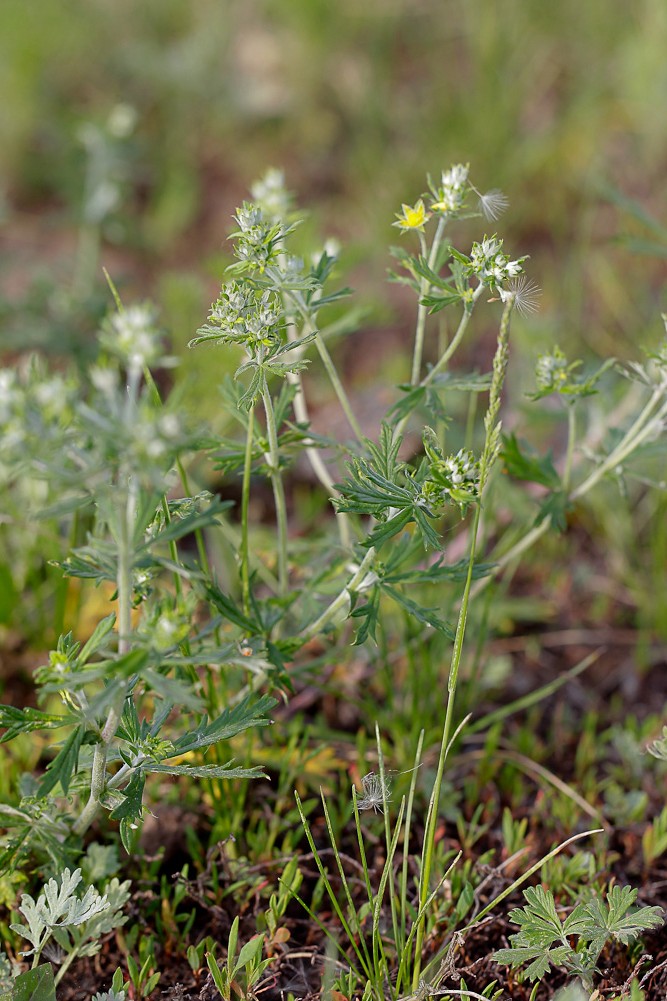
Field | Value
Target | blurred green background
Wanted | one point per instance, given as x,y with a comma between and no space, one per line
555,103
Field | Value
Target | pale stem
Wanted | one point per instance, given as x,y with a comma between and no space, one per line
449,351
432,815
312,453
641,429
571,436
273,459
245,503
124,625
341,600
424,288
339,390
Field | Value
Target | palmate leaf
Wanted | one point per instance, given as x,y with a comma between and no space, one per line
616,917
539,959
538,919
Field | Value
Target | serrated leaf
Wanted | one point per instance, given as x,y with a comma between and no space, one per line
226,725
65,763
539,959
131,807
208,771
25,720
613,917
428,616
523,464
368,613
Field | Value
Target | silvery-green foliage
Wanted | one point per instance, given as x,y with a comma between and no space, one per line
111,995
658,747
74,922
8,973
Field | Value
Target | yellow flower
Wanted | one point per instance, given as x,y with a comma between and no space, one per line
412,217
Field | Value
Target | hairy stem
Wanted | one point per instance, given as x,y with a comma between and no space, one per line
341,601
339,390
273,460
424,289
244,550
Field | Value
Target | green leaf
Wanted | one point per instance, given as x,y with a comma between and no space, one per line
230,610
226,725
523,464
35,985
427,616
130,810
539,959
439,571
208,771
65,764
102,630
555,507
25,720
368,613
616,917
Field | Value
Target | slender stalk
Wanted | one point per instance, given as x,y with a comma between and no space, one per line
447,354
571,437
342,599
312,453
424,288
489,454
273,459
456,339
124,625
432,815
641,429
244,550
339,390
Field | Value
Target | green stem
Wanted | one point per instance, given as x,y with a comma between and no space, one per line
312,453
447,354
641,429
432,816
456,339
124,586
244,551
489,454
339,390
341,601
422,311
273,458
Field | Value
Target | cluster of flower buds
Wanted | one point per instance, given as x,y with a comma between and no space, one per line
451,479
245,315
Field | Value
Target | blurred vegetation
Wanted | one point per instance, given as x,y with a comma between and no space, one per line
554,103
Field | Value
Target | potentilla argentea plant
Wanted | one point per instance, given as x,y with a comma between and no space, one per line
390,511
128,702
